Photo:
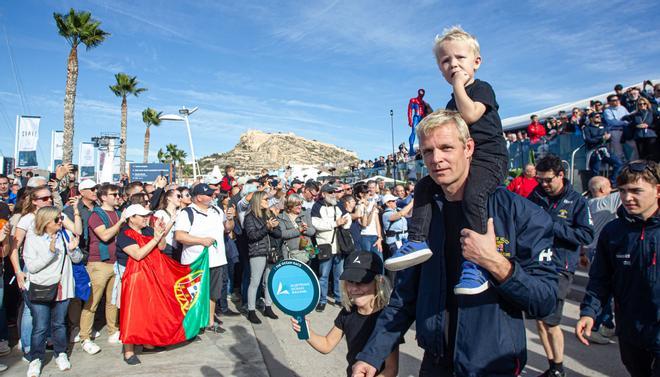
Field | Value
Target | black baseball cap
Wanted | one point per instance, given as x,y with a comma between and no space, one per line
362,267
202,189
297,181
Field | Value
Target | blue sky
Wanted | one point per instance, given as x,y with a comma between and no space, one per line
325,70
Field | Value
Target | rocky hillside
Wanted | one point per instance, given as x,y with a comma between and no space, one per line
256,150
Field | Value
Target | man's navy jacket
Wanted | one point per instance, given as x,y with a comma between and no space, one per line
625,266
490,338
572,225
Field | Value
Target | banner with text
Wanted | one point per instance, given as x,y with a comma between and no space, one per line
27,140
86,163
149,172
56,149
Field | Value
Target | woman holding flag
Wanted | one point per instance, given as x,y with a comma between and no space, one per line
135,242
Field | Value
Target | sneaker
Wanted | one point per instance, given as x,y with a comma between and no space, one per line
408,255
606,331
114,338
75,335
553,373
598,338
34,370
474,280
62,362
90,347
4,348
96,334
320,307
3,367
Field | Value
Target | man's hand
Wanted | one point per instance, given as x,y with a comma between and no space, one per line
207,241
61,171
362,369
482,250
606,136
583,328
341,221
4,232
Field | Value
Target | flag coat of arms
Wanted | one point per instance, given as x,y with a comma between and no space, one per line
163,302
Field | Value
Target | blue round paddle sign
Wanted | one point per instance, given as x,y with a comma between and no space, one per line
294,289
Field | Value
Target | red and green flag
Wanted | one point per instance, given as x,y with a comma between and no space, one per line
163,302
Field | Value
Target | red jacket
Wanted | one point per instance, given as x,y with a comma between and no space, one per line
226,183
535,131
522,186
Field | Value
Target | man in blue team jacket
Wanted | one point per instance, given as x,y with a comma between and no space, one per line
625,266
480,334
571,227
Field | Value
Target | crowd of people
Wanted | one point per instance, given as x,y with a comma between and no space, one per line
457,253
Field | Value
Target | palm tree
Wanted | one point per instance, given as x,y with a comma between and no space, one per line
75,27
150,117
174,155
125,85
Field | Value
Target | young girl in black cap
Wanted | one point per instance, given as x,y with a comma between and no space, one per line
368,292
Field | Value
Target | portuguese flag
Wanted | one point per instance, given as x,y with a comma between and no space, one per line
163,302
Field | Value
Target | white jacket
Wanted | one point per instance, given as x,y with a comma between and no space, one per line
324,219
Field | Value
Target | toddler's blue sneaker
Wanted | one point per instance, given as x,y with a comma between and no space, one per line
410,254
474,280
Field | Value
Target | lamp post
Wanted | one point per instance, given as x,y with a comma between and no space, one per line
178,118
393,154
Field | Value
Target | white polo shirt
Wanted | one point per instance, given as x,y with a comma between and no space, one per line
209,224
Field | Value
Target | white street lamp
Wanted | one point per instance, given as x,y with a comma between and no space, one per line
178,118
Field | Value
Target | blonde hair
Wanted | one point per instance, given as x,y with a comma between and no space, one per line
292,201
455,33
43,217
383,291
643,100
441,118
255,205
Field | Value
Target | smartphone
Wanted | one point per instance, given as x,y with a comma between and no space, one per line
74,168
52,176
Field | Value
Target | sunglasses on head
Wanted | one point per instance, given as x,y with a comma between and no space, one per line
639,167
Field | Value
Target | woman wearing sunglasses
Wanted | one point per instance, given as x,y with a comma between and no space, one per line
48,253
34,199
167,210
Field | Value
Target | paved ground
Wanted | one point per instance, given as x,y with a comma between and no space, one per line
272,349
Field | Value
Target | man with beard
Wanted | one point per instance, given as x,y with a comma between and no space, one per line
326,218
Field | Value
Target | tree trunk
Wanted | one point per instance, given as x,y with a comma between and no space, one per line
124,142
69,104
147,135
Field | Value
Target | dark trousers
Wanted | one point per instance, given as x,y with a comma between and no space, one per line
45,316
646,148
597,159
639,362
435,367
483,180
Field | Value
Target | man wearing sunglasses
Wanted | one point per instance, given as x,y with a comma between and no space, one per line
103,226
85,208
572,227
598,140
625,266
614,117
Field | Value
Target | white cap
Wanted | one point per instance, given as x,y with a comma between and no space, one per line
135,209
86,184
389,198
212,179
36,181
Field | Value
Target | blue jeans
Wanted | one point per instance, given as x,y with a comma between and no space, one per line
26,325
4,330
336,263
45,315
613,161
367,244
